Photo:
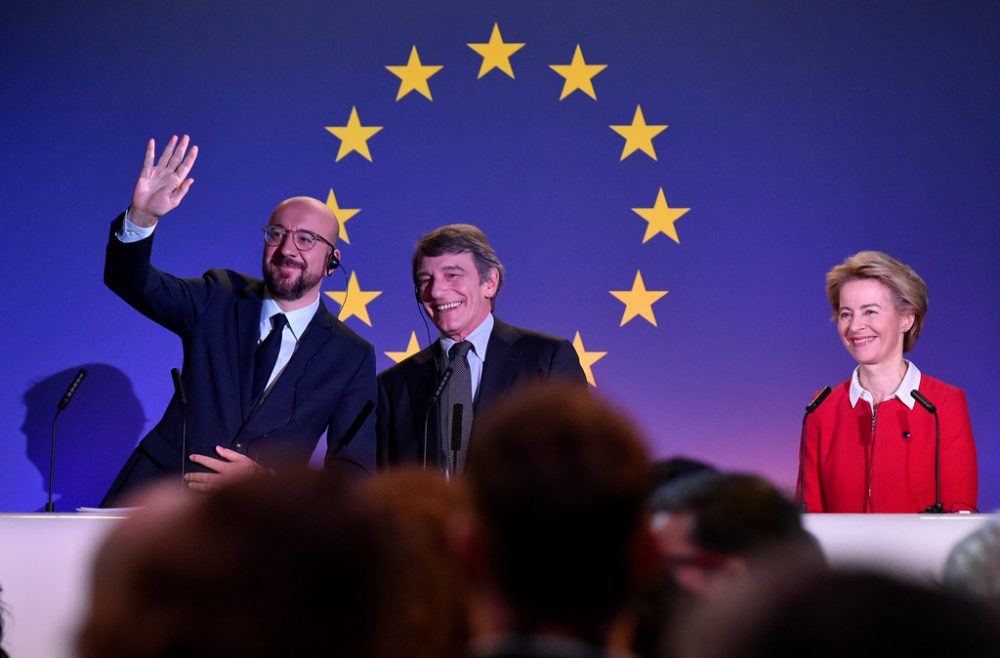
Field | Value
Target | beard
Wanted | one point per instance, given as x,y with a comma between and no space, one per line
291,288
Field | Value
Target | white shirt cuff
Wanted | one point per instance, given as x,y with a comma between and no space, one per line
133,233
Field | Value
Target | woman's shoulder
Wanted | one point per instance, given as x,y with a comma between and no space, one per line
929,384
941,393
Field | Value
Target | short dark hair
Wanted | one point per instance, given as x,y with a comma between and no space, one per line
558,480
460,239
733,513
827,614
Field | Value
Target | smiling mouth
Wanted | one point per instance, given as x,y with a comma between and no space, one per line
447,307
858,342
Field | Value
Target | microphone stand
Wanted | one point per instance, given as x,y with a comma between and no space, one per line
67,396
811,407
456,436
182,400
445,378
937,507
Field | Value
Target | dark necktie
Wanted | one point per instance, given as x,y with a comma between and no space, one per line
458,392
267,354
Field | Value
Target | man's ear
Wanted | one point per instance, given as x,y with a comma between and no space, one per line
492,283
333,262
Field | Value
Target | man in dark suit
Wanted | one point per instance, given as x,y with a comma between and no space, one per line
457,276
267,368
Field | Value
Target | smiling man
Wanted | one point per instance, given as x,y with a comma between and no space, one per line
267,368
428,403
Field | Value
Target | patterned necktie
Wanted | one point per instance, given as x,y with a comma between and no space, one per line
267,354
457,392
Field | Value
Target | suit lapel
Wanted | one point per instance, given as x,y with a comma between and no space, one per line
247,314
499,366
421,381
318,333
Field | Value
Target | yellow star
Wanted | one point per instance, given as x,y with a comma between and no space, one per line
661,218
638,136
495,53
354,136
354,301
414,76
411,348
638,300
579,75
342,214
587,359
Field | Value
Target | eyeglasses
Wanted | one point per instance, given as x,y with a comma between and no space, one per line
304,240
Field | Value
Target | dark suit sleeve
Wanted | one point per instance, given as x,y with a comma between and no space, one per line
167,300
351,434
565,364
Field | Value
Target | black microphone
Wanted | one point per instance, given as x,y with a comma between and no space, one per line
445,378
937,507
70,392
818,400
353,428
456,435
924,402
175,374
179,386
811,407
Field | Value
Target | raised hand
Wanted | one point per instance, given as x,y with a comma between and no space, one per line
162,186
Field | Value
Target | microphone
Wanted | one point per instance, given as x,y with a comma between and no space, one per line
175,374
456,435
71,391
811,407
818,400
179,386
67,396
924,402
445,378
353,428
937,507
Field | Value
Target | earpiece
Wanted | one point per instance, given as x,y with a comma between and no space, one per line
333,263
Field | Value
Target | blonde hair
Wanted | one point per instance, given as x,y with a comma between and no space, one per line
908,290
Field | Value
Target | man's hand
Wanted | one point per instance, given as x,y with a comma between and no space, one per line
232,467
161,188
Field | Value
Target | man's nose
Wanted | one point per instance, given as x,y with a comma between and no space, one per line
287,244
435,288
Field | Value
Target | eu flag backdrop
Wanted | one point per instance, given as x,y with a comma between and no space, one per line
666,182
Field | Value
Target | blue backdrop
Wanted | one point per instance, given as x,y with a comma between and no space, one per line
799,133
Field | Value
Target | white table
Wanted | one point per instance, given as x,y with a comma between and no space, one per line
45,563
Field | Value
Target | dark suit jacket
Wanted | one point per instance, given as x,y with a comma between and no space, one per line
328,385
514,356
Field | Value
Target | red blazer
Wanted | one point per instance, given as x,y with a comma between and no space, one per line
856,463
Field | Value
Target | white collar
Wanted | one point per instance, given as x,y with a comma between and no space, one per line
911,381
479,337
298,319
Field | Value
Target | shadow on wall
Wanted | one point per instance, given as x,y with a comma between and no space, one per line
94,436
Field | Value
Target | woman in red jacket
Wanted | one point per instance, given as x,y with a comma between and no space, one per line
870,447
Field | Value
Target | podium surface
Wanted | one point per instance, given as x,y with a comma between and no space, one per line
45,562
